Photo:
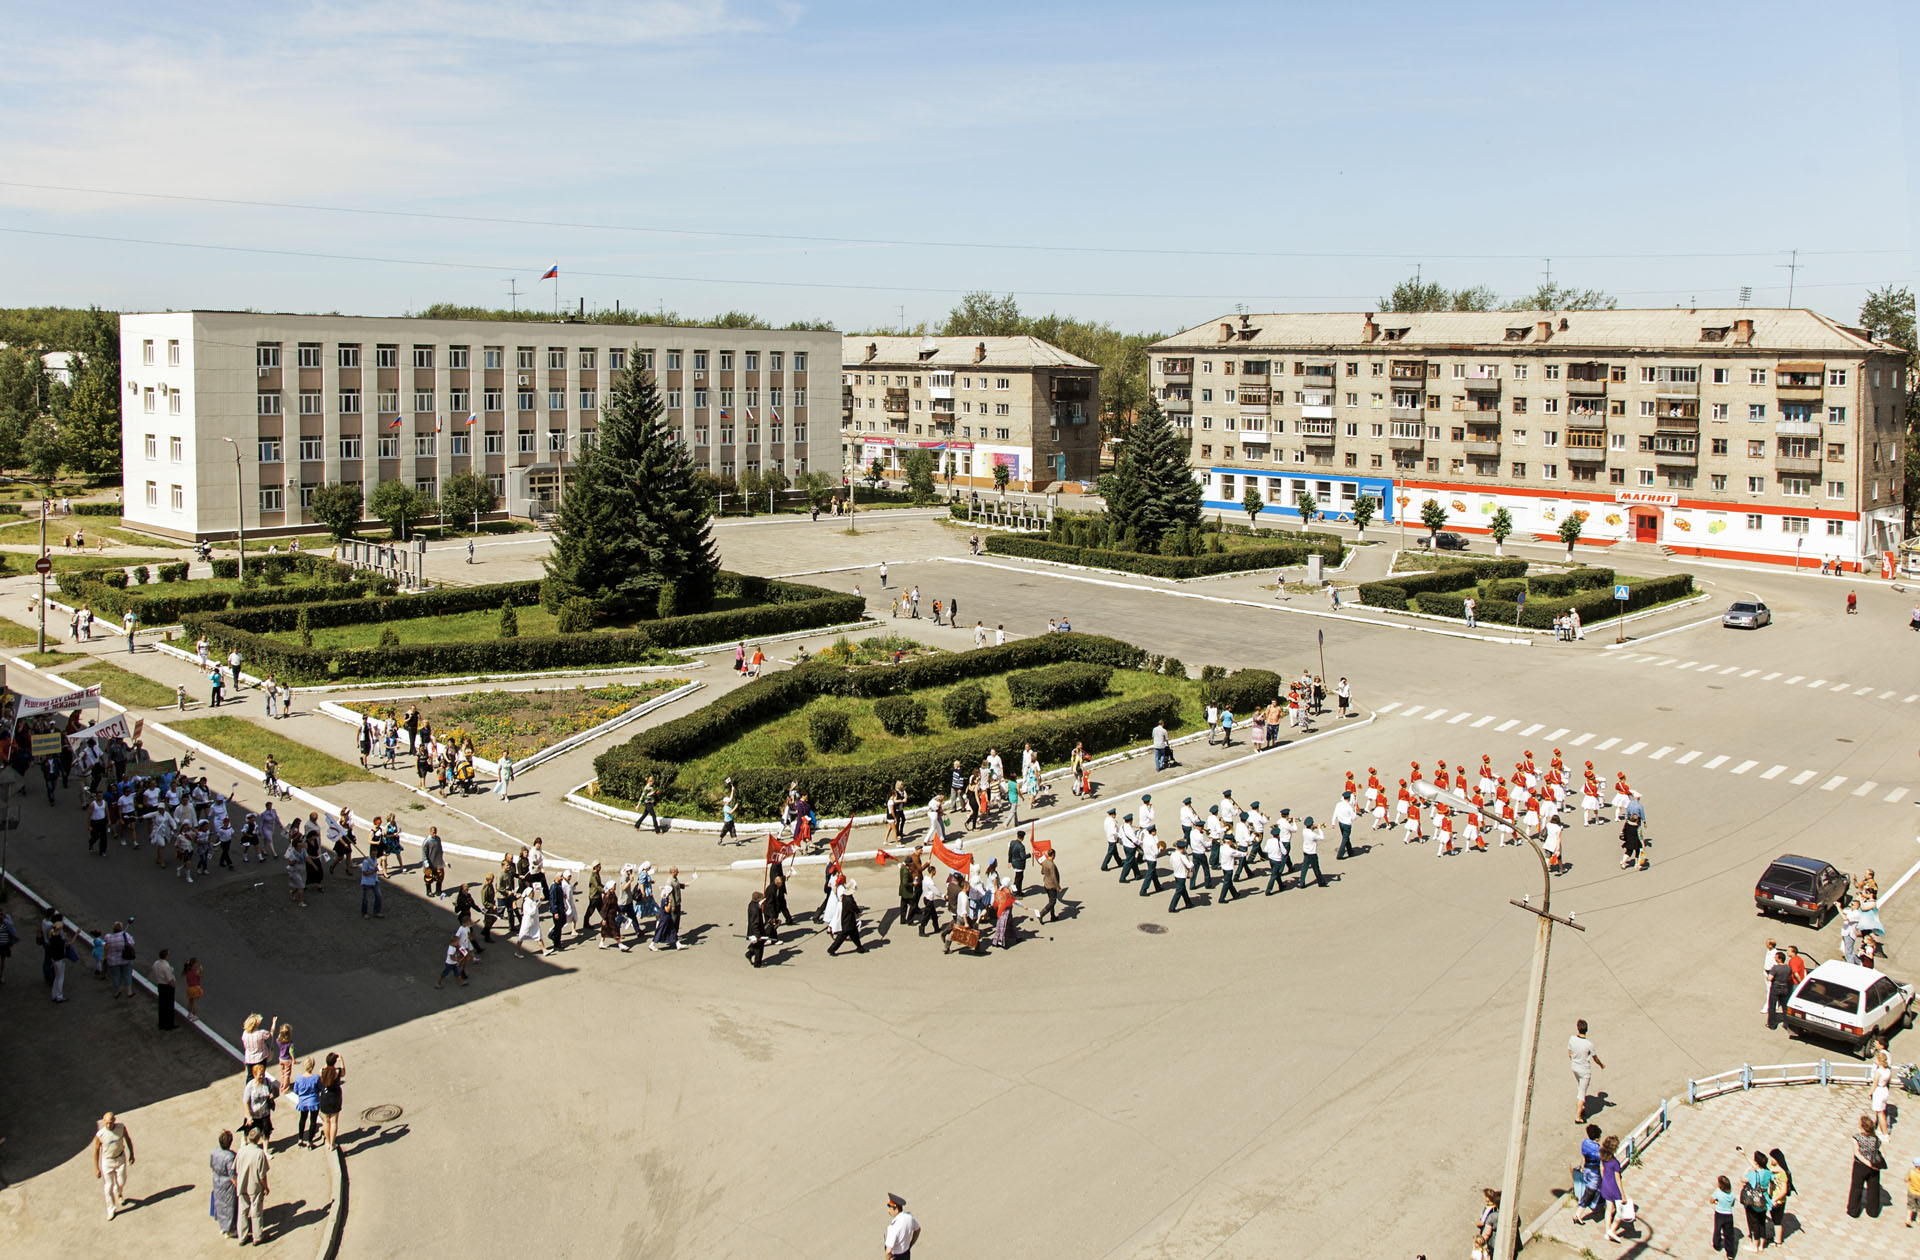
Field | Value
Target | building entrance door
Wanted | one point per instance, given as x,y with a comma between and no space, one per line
1646,526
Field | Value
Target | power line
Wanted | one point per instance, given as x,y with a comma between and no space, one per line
797,238
778,284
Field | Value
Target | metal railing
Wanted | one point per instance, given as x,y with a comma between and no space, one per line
1749,1076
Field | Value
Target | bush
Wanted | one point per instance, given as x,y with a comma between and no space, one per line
900,715
273,575
1131,560
389,637
305,627
966,705
576,615
1485,566
94,509
1053,686
174,572
792,753
1553,585
1172,667
141,575
509,621
667,603
831,731
115,578
1242,691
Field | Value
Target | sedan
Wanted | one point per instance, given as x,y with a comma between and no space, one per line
1746,615
1839,1001
1806,888
1445,541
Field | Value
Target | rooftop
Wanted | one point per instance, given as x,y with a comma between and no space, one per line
956,352
1774,330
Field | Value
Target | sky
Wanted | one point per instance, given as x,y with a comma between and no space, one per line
1151,165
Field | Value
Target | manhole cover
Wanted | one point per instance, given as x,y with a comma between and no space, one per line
385,1113
1153,929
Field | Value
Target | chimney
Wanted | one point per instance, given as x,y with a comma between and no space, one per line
980,353
1226,330
1742,332
1369,330
1245,320
1544,330
1563,323
873,351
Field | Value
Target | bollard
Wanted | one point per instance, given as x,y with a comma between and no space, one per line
1746,1076
1693,1095
1826,1072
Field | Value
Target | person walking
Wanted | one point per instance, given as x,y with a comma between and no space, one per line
1310,837
1050,884
1489,1223
843,920
433,864
1779,989
758,931
370,887
1612,1190
119,959
306,1103
902,1230
1863,1181
1344,816
1583,1059
1756,1197
1181,864
225,1206
503,777
333,1077
112,1157
250,1178
666,932
1017,861
163,987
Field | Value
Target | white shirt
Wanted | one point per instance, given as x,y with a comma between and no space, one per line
901,1231
1145,815
1580,1050
1256,822
999,638
1180,864
1344,812
1310,840
1215,828
1129,838
1112,825
1188,818
1276,848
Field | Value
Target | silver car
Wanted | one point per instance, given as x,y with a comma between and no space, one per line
1746,615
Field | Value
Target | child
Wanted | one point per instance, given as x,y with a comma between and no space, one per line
284,1042
99,956
180,696
196,989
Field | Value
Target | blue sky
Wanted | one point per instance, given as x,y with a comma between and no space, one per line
1309,155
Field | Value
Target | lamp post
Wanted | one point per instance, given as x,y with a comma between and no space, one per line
43,577
239,509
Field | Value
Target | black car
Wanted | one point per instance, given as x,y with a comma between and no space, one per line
1805,887
1444,541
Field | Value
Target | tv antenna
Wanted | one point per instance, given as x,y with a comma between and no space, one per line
1746,294
1793,272
513,294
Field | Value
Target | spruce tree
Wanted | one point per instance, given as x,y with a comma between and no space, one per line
1152,491
633,520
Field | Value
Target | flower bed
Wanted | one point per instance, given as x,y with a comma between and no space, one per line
519,723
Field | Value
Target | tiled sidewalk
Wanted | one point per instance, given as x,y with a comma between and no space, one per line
1811,1124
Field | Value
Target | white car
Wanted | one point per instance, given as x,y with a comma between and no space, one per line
1839,1001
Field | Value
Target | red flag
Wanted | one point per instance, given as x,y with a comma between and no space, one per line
962,862
1040,847
880,857
839,845
778,852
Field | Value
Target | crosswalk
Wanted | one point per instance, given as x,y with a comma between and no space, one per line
1784,678
1695,758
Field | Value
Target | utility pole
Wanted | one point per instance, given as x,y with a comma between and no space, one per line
513,295
1793,272
1549,272
43,556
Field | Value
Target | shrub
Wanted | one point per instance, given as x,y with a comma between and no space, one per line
1242,691
305,627
576,615
667,604
273,575
965,705
115,578
792,753
174,572
94,509
509,621
1053,686
141,575
389,637
1172,667
1130,559
900,715
831,730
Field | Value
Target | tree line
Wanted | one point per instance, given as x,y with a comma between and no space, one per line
48,425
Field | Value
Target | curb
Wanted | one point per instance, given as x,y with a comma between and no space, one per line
337,1217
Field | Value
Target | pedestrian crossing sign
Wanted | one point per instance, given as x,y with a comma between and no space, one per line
1620,591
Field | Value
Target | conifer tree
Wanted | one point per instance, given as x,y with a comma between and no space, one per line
1152,491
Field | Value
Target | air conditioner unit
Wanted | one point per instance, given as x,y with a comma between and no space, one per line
526,379
263,371
699,376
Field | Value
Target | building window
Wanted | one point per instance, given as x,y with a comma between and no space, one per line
425,444
556,400
153,494
386,356
589,399
1796,524
556,358
616,360
1756,411
271,499
269,450
266,355
1756,485
799,360
153,447
490,399
1719,411
492,357
1722,376
524,400
495,443
1550,406
1718,446
1756,376
457,401
423,402
1646,407
267,404
1836,489
388,402
310,449
309,402
587,360
1550,472
1616,476
349,448
462,444
1837,415
1836,376
349,402
423,357
426,485
700,362
1718,481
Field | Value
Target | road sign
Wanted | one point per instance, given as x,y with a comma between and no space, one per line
1620,592
43,566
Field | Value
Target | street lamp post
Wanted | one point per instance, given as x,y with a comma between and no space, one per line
43,577
239,509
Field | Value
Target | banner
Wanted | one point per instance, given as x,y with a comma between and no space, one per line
961,862
777,851
46,744
1039,847
104,731
839,845
85,698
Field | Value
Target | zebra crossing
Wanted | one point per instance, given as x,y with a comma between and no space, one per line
1697,758
1809,682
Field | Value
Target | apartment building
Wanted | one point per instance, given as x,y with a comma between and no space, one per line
1774,435
287,403
1016,402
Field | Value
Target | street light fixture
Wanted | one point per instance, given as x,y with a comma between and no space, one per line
239,509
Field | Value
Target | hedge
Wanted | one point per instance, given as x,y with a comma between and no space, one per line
1485,566
1539,614
1038,547
1053,686
101,591
309,563
1242,691
96,509
1566,582
789,608
1394,592
660,750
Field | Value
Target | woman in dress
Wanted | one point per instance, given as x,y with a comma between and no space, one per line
1611,1190
1882,1080
1863,1182
225,1205
529,933
332,1096
297,872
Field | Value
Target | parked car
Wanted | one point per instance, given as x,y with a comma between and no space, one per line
1445,541
1841,1002
1746,614
1804,887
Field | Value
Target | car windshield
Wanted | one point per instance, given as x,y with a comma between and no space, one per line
1789,879
1744,608
1829,994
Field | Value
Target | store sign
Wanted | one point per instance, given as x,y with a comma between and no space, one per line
1646,498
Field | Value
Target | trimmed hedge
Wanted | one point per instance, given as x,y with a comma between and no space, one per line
1051,686
1242,691
1395,592
903,715
966,705
787,608
1485,566
660,750
1567,582
1539,614
1039,547
96,509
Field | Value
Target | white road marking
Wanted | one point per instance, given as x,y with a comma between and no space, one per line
1713,665
1483,721
1388,708
1458,718
1660,752
1716,763
1818,682
1883,695
1552,735
1537,726
1664,661
1844,686
1803,776
1583,739
1896,794
1603,745
1731,669
1434,713
1910,699
1796,678
1863,691
1773,772
1865,788
1743,767
1750,673
1411,709
1507,725
1633,748
1689,664
1770,677
1833,783
1688,757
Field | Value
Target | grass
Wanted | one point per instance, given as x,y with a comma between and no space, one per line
45,659
874,650
253,743
13,634
93,527
700,780
135,691
523,722
467,627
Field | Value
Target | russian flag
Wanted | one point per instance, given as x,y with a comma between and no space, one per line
723,413
774,414
749,415
436,424
394,423
470,418
551,273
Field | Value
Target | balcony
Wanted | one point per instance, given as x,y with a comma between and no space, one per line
1317,432
1317,378
1176,378
1183,406
1176,371
1253,378
896,402
1254,400
1797,465
940,392
1589,421
1255,437
1586,388
1800,380
941,406
1316,411
1483,449
1413,375
1677,424
1586,454
1482,384
1069,413
1406,413
1797,428
1407,442
1677,459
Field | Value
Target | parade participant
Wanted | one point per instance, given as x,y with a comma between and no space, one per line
1344,818
1412,831
1310,838
1470,826
1050,884
1181,866
1112,825
1151,851
1229,865
1403,803
1275,844
1189,819
1129,848
1443,826
1552,844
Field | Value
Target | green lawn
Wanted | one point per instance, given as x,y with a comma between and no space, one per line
522,722
135,691
59,528
466,627
252,743
13,634
701,779
45,659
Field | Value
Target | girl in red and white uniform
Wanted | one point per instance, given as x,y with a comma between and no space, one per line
1372,794
1590,798
1415,774
1471,827
1379,808
1440,779
1533,772
1621,795
1530,816
1443,821
1507,822
1486,775
1404,802
1412,832
1557,787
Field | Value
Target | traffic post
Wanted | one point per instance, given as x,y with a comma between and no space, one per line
1620,596
1519,606
43,566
